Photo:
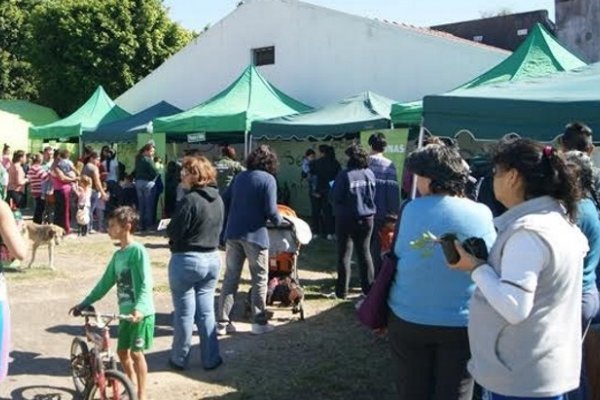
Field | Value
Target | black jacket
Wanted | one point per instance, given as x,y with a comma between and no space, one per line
325,169
197,224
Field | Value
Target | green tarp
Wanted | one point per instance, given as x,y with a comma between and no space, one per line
537,108
354,114
540,54
247,99
99,108
30,112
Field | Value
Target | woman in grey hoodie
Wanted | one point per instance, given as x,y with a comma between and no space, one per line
525,315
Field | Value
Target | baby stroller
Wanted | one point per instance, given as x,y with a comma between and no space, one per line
284,286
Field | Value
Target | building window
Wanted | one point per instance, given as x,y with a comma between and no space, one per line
522,32
263,56
478,38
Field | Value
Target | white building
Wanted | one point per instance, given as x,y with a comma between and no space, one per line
314,54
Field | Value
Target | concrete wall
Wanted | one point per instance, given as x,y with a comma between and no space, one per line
578,27
321,56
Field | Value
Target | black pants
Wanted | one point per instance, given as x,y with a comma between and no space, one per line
353,232
322,215
38,213
430,361
60,209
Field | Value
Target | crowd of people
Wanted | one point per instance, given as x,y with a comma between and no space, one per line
510,323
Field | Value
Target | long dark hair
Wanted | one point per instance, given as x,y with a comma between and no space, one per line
263,158
543,169
443,165
144,149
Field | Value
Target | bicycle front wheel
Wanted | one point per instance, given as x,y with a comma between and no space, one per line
118,387
80,368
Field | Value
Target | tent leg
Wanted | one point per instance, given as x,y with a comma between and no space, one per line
246,152
413,190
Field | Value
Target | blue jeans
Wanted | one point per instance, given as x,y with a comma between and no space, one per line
193,277
93,205
145,195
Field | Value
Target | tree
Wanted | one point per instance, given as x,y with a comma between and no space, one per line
77,45
16,79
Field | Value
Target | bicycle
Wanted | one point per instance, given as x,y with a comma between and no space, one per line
94,372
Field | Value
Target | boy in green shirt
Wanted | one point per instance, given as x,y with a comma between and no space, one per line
129,269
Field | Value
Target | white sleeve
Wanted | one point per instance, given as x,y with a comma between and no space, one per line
512,293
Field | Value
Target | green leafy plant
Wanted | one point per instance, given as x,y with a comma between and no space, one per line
424,243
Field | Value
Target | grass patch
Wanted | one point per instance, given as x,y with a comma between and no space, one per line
14,274
161,288
158,264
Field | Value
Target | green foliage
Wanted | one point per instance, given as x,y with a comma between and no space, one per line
77,45
15,71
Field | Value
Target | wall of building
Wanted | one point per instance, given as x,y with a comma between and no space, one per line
321,56
578,27
505,31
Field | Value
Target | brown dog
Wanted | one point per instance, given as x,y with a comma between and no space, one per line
44,234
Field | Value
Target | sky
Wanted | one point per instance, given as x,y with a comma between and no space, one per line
196,14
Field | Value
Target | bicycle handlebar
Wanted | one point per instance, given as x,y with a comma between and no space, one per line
106,317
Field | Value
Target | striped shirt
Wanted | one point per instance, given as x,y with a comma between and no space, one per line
36,175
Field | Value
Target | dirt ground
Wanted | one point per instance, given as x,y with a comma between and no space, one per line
328,356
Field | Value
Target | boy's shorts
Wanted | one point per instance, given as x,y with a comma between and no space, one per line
136,336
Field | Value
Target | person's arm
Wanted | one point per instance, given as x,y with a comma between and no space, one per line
142,274
105,283
512,293
271,202
10,234
61,175
21,178
180,222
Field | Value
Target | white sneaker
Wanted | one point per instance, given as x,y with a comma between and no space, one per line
259,329
315,236
330,237
225,328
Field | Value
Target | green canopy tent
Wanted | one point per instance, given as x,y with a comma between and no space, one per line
357,113
99,108
232,111
538,108
539,55
16,116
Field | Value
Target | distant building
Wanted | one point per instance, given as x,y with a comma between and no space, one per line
503,31
314,54
578,27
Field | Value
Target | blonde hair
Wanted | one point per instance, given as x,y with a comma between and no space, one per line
202,171
85,181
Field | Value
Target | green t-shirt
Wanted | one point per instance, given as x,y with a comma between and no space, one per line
129,268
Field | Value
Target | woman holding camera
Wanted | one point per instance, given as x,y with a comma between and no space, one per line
525,316
429,303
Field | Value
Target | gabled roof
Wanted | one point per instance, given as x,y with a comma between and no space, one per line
364,111
248,98
539,55
97,109
126,129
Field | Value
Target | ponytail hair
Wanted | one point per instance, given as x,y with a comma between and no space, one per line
583,171
543,169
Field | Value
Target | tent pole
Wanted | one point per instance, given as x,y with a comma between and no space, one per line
413,190
246,152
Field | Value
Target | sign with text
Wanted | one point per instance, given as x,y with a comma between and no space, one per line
196,137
